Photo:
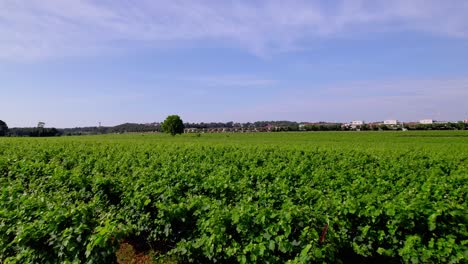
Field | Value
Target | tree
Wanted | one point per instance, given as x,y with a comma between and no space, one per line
173,125
3,128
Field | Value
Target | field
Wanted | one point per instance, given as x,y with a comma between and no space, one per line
349,197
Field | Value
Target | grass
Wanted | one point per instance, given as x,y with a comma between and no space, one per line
388,141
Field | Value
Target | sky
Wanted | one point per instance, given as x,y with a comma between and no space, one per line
74,63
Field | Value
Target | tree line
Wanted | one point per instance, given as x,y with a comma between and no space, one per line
174,125
33,132
27,131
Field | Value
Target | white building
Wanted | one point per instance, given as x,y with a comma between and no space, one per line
357,123
390,122
426,121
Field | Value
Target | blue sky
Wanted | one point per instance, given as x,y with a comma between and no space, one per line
79,62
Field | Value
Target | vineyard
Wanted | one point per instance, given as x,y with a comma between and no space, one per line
333,197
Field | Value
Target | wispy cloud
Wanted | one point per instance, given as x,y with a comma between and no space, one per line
32,29
235,81
419,88
412,99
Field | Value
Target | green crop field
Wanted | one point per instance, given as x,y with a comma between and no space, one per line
349,197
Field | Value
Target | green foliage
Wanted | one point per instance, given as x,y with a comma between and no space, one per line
34,132
173,125
3,128
248,198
